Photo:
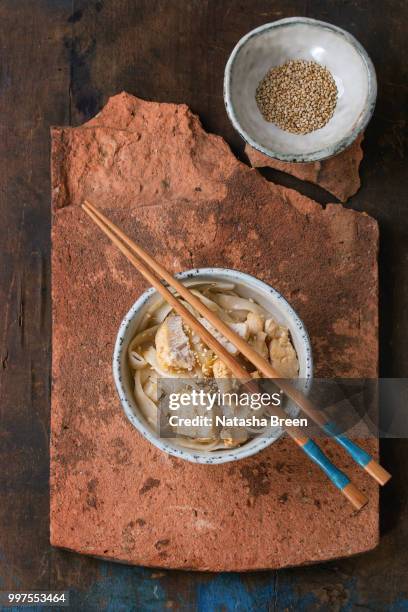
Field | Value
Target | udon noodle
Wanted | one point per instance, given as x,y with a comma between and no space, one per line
164,348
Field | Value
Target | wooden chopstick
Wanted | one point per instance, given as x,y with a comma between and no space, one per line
338,478
360,456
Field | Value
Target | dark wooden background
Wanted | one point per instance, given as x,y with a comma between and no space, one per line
59,62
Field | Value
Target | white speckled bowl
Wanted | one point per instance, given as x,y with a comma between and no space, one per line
300,38
248,286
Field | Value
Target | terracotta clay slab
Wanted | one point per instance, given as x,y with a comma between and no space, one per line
182,194
338,175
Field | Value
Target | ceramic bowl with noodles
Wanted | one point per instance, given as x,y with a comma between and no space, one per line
153,345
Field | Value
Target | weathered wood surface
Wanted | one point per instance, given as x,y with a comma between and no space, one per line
60,60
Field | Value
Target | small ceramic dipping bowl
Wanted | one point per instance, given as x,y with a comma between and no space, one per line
275,43
247,286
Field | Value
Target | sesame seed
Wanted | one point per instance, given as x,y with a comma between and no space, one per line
299,96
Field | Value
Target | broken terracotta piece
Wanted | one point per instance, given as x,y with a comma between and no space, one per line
339,175
183,195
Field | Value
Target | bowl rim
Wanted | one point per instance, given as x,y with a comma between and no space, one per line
184,453
319,154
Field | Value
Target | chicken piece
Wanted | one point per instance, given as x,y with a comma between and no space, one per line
173,346
281,352
205,357
220,370
273,329
223,376
240,328
259,344
255,323
201,432
283,356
